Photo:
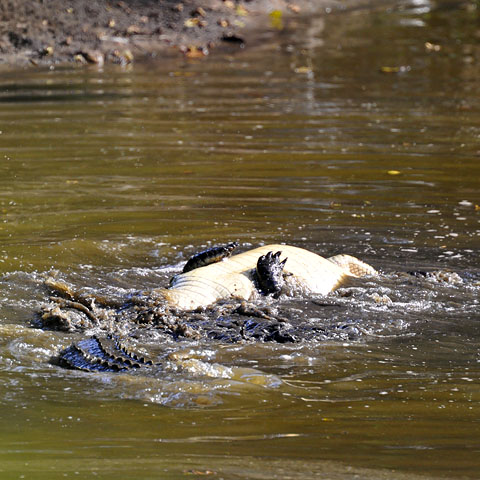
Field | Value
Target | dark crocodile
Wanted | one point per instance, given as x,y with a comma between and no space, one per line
216,285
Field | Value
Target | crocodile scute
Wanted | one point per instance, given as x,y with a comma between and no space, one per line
100,355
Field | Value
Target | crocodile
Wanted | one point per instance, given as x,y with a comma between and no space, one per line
208,278
238,276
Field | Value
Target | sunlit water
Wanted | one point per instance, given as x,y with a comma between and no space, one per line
114,177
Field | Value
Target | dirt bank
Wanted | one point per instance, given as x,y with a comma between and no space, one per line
85,31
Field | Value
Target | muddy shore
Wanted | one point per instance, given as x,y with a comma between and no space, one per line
40,32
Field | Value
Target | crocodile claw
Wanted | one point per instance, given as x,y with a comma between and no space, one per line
270,273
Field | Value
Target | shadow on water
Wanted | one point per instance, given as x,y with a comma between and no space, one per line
110,179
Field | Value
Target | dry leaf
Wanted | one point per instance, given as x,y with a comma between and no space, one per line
241,11
432,47
92,56
238,23
399,69
123,57
200,472
79,58
294,8
195,52
303,70
128,55
191,22
124,7
276,19
133,30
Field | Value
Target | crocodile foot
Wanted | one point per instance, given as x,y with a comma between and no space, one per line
211,255
270,273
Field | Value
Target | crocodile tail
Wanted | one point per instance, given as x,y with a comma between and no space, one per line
100,355
353,266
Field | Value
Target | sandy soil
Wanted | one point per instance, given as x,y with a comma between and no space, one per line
118,31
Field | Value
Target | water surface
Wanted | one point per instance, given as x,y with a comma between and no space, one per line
114,177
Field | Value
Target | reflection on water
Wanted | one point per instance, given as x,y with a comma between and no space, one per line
114,177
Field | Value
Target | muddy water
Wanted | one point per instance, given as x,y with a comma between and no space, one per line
114,177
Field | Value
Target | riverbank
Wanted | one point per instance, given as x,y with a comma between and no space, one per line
62,31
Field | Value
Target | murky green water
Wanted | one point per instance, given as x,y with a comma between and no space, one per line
115,176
